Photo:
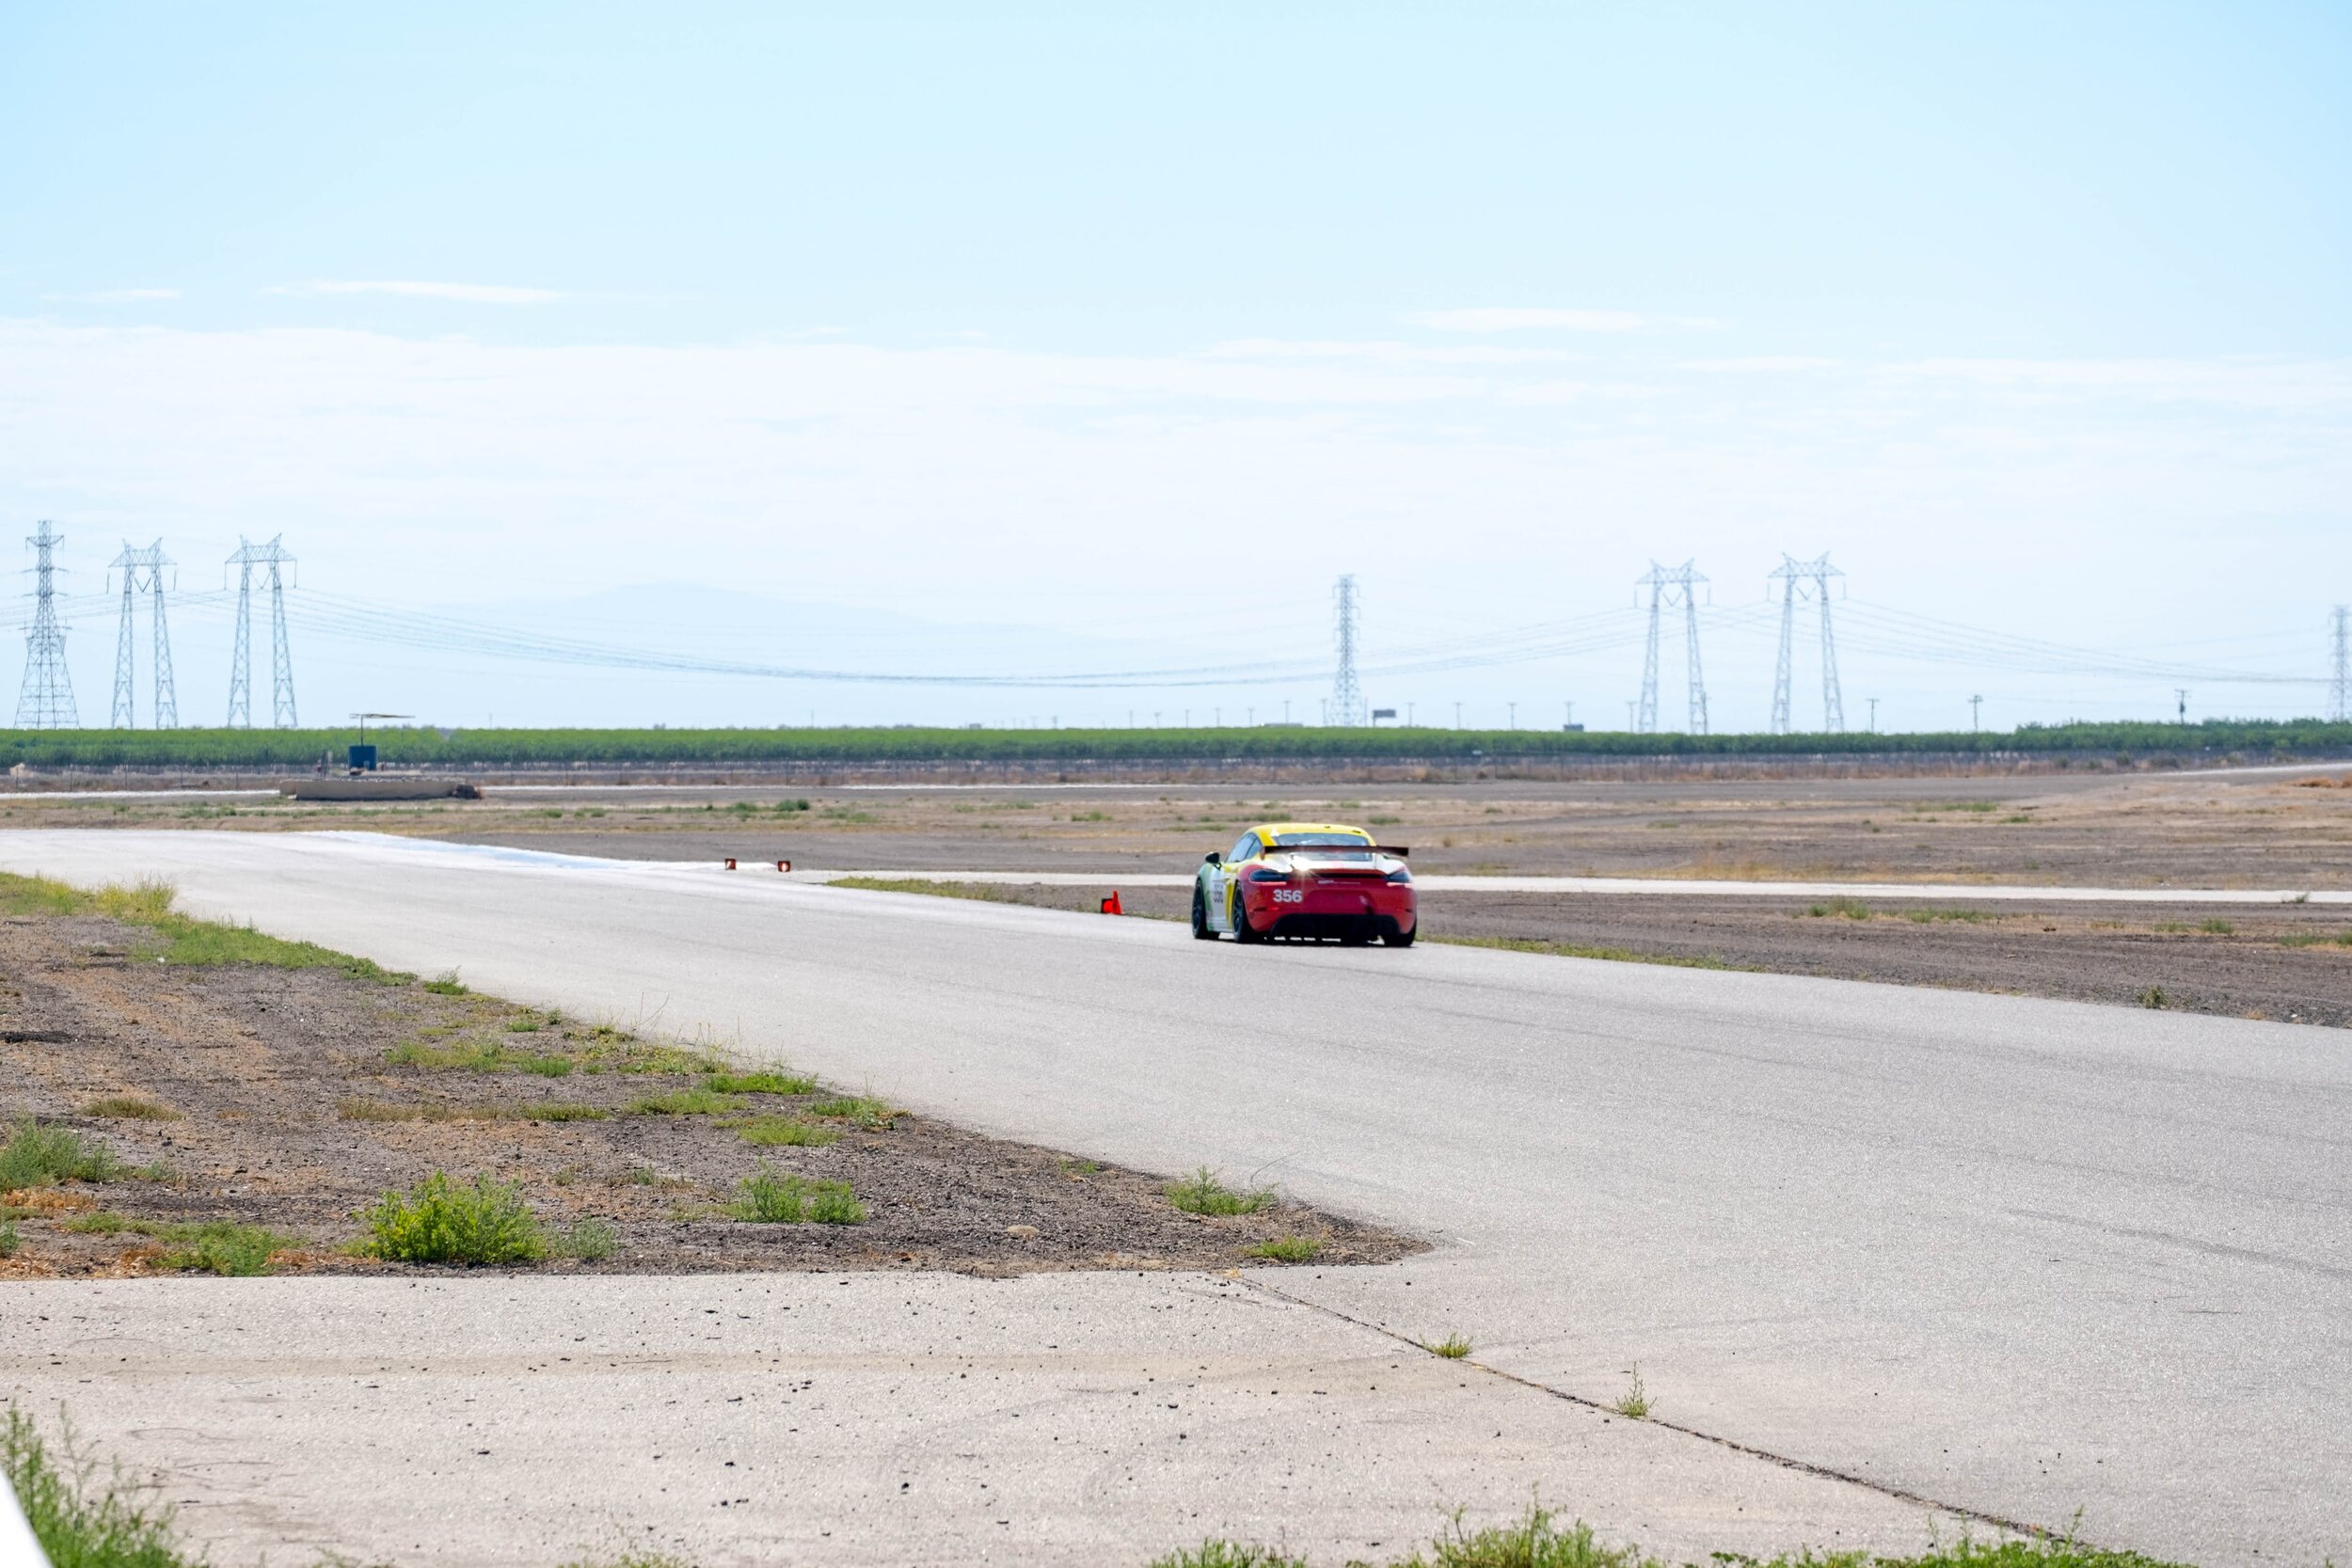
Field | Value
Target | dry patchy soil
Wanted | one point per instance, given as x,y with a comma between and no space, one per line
292,1097
2130,829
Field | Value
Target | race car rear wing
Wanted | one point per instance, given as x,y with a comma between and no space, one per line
1396,850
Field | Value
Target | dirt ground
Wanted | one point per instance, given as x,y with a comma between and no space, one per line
2246,829
2292,963
292,1098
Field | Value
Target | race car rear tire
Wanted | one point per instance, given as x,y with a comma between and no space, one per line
1200,931
1400,939
1242,931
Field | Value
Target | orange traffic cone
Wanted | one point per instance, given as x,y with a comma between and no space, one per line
1110,905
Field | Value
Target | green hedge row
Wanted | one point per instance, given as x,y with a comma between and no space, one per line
272,749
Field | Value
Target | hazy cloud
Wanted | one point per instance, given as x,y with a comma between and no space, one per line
1536,319
469,294
117,296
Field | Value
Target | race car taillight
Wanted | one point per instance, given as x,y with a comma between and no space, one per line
1400,875
1267,874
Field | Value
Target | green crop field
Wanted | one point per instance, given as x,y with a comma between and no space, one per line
300,749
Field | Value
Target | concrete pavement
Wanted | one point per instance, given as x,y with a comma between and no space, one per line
1087,1420
2027,1257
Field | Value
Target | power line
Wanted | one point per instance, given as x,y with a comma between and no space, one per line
46,700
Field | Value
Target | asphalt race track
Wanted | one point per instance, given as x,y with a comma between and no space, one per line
2017,1257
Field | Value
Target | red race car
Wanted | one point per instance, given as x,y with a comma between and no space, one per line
1321,881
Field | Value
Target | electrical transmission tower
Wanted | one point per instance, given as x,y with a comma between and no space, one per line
132,562
1669,586
46,700
1347,698
1800,579
2340,689
271,556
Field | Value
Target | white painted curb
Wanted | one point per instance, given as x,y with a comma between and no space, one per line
18,1549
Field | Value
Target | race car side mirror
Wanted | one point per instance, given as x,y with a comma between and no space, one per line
1212,858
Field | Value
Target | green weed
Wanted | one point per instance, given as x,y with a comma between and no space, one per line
212,1246
759,1082
859,1111
1287,1249
1634,1402
1451,1348
446,985
1923,917
35,1155
589,1239
2316,939
684,1102
9,1239
768,1198
2153,997
438,1220
1202,1192
784,1133
1847,908
80,1520
2217,926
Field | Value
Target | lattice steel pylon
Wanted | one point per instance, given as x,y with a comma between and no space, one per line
1347,697
46,700
1669,586
273,556
1800,579
2339,686
148,562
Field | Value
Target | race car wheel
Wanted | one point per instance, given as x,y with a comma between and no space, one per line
1200,931
1401,939
1241,921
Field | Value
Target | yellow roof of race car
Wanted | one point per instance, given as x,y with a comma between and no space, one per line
1267,831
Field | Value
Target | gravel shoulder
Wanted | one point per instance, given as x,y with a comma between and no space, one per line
292,1097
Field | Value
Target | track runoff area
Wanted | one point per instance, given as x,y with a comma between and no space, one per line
2016,1258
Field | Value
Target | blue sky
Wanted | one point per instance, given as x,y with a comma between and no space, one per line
1120,324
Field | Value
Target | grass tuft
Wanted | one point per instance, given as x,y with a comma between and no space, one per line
81,1521
1287,1249
859,1111
1844,907
683,1102
446,985
2217,926
589,1239
784,1133
35,1156
1634,1402
2153,997
1202,1192
129,1107
759,1082
1452,1347
10,1239
438,1220
1229,1554
768,1198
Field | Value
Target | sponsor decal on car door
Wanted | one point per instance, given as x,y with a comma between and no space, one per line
1226,897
